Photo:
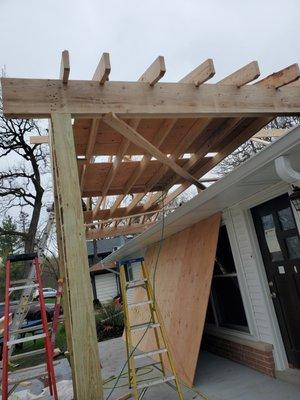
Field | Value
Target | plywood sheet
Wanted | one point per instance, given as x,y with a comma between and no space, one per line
183,276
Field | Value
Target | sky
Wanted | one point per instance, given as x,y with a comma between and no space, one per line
185,32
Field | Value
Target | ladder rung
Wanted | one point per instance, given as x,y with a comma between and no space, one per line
142,303
133,284
29,329
21,281
32,286
27,354
20,379
26,339
150,353
144,326
156,382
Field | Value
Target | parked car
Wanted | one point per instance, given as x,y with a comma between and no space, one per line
48,293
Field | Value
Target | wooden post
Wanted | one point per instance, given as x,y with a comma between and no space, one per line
79,313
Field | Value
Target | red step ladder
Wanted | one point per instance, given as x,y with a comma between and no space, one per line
7,379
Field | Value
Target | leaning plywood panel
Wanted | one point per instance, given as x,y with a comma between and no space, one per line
183,266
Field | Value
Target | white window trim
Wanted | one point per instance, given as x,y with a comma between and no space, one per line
280,356
253,333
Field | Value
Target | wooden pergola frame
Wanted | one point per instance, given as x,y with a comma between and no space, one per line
148,139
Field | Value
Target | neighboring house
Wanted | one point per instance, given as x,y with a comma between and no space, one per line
105,284
253,315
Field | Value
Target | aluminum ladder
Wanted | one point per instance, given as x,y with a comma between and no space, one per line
156,324
27,293
11,335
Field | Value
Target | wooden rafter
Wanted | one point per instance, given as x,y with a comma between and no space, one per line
199,75
239,78
151,76
133,136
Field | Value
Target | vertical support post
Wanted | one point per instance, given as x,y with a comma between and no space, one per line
78,306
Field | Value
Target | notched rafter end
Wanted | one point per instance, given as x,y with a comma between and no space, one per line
103,69
65,67
201,74
283,77
155,72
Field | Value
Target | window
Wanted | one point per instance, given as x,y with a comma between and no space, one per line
226,307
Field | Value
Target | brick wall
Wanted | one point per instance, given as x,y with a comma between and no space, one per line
258,357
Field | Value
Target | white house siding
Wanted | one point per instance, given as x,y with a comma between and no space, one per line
255,283
106,287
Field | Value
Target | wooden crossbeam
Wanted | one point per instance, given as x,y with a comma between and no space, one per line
161,135
103,69
132,135
39,139
65,67
155,72
23,98
118,231
273,132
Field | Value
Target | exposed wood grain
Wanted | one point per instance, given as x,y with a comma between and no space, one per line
185,264
84,350
282,77
155,71
102,72
130,134
201,74
65,67
242,76
39,139
117,231
39,98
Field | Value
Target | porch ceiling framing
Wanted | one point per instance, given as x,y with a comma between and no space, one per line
142,138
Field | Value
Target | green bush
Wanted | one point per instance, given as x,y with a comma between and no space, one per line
109,321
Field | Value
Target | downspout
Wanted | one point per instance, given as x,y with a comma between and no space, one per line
286,172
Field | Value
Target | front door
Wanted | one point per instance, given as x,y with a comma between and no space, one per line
279,242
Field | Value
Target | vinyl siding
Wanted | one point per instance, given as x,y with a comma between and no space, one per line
106,287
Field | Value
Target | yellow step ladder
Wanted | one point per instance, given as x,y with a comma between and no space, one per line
162,349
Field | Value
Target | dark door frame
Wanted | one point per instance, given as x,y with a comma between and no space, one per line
266,208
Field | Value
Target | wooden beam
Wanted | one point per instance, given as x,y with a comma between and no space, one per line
151,76
39,139
132,135
282,77
83,346
201,74
161,135
65,67
155,72
273,132
103,69
117,231
38,98
242,76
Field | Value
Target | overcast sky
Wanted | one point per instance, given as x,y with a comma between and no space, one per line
135,32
